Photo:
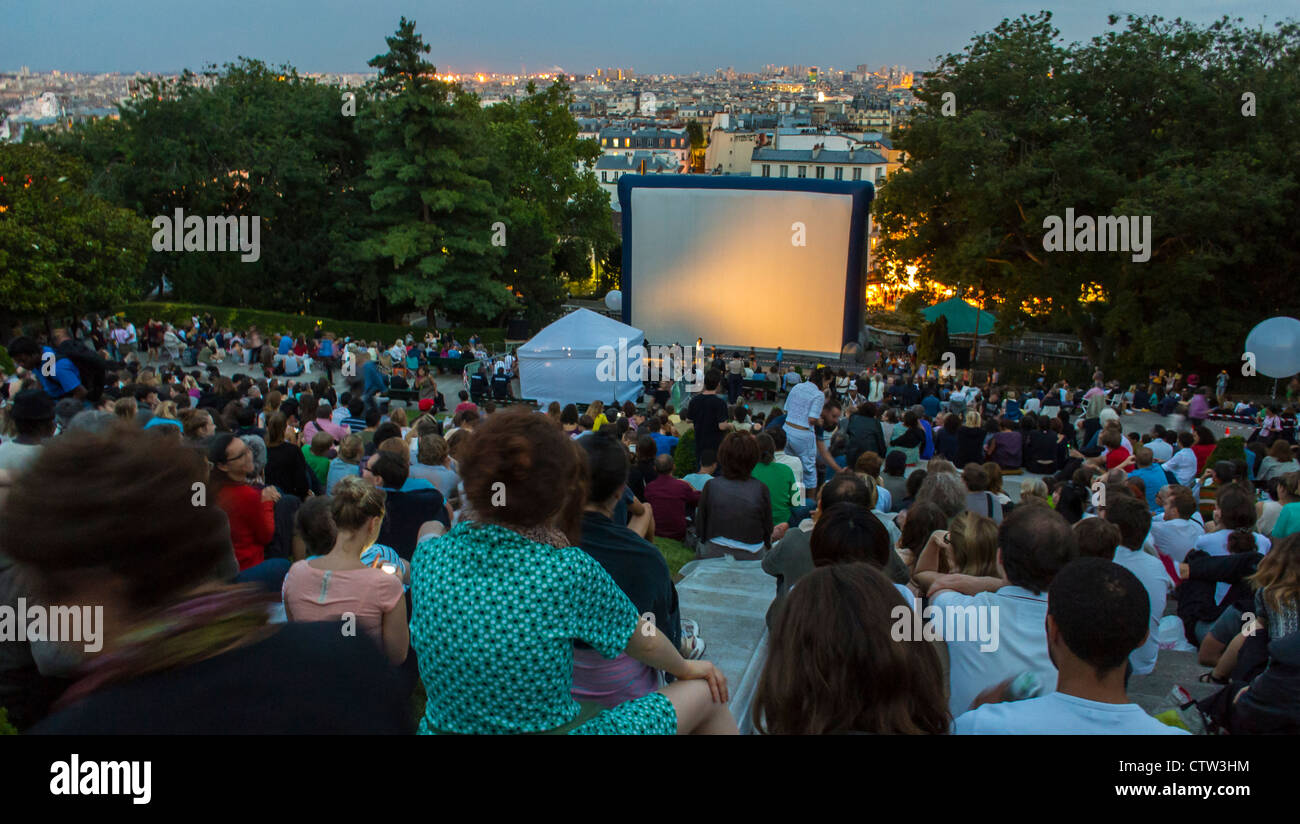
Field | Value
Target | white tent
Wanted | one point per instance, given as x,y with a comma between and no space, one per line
582,357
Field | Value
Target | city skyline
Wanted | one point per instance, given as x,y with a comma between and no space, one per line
669,37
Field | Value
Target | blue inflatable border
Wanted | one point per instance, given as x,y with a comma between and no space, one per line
861,191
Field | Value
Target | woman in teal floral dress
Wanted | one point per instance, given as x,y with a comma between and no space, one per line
495,613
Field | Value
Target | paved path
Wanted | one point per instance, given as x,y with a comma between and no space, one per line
729,600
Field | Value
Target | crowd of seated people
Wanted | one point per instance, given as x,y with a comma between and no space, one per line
506,560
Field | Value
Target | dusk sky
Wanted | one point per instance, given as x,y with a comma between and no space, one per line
676,36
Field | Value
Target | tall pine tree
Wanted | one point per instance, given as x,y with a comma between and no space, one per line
433,209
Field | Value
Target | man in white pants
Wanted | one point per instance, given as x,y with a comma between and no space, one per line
803,412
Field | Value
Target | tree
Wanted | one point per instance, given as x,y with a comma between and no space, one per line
933,341
1145,120
433,209
248,140
63,251
556,213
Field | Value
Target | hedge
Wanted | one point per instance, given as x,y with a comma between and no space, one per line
1230,448
684,454
301,324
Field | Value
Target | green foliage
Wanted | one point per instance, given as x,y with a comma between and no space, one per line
62,249
300,324
5,727
909,308
248,140
556,213
1231,448
430,230
368,216
1145,119
684,455
933,341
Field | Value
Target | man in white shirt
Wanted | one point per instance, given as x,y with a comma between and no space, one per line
803,412
1161,449
1134,522
1098,614
1034,543
1176,534
1183,462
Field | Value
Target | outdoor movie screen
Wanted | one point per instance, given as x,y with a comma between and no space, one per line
741,262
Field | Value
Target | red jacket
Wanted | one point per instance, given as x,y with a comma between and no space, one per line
252,522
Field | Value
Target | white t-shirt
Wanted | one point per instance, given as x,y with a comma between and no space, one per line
1177,537
1155,580
1060,714
1022,644
1182,465
804,401
15,456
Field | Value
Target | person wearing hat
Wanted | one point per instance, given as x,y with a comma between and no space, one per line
32,413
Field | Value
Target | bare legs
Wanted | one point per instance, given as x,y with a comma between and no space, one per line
697,713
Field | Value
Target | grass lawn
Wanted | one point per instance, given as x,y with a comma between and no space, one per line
675,553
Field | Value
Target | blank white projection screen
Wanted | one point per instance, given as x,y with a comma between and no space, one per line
721,264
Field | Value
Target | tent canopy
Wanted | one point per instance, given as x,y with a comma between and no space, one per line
582,357
961,317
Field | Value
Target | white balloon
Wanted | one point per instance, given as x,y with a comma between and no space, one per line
614,301
1275,343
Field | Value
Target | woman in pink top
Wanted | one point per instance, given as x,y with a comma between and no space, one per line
339,587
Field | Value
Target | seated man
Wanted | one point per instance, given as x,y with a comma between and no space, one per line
1034,543
501,384
708,466
1175,533
791,556
639,569
1098,615
408,516
664,444
669,498
1134,522
1152,476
